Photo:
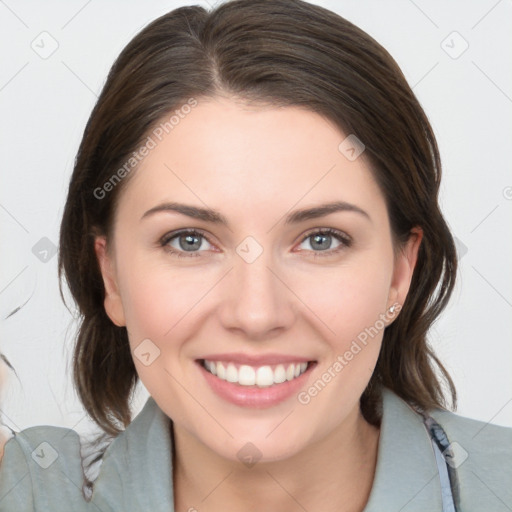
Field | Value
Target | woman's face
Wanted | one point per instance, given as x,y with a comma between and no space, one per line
262,290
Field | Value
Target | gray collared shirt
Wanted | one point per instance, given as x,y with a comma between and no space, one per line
41,469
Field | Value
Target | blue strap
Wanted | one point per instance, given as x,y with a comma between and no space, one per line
447,473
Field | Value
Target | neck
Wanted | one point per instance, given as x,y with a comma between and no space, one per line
333,474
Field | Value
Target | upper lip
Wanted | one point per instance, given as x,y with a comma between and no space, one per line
256,360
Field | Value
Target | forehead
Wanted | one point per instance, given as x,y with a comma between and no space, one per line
227,154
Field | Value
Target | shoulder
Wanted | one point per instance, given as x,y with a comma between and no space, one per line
42,465
477,460
485,440
136,473
481,454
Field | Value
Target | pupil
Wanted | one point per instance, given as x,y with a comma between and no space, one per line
320,237
190,242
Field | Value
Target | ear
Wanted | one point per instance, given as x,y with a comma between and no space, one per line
405,262
113,304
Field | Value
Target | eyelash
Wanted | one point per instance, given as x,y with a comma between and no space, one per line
345,240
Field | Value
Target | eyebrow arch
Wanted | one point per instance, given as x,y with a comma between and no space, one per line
213,216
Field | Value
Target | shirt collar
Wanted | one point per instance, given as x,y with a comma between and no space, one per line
406,476
136,472
137,466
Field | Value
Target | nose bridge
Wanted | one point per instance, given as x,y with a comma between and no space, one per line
258,300
255,283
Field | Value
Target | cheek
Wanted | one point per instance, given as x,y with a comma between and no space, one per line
348,299
159,306
157,300
351,307
160,299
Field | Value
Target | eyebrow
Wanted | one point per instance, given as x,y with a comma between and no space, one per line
213,216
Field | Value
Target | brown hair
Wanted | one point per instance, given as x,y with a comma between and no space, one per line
282,53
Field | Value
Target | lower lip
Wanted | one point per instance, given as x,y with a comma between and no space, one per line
255,397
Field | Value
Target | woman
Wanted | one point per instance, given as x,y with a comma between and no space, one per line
252,230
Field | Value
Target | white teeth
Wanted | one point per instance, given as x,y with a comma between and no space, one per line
212,367
262,376
231,373
279,374
221,372
246,376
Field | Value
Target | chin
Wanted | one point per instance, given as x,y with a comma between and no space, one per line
256,448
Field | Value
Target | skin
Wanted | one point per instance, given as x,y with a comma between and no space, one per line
255,165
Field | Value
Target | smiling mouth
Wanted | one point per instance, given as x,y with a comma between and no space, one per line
256,376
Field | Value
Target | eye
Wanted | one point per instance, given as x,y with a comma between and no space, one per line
188,242
185,243
321,239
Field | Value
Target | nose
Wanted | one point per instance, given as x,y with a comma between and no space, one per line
258,301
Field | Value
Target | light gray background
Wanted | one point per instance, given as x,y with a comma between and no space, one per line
45,103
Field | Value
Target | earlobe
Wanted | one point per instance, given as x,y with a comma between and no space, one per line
112,302
404,268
